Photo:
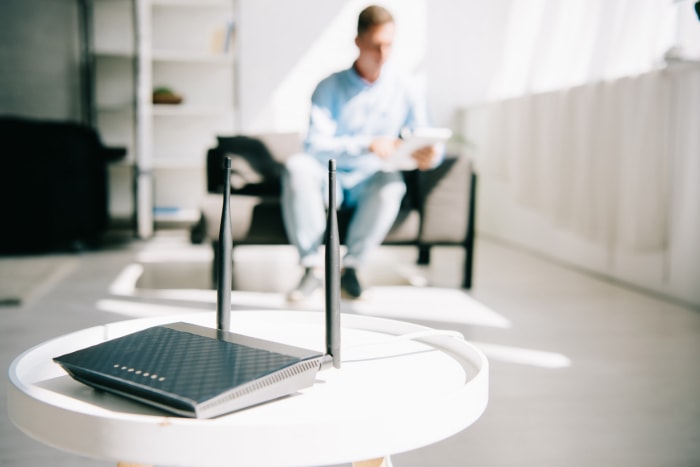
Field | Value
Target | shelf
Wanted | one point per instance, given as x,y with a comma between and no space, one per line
164,55
113,29
191,3
117,54
115,108
184,110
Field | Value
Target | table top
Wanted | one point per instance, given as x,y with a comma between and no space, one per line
391,395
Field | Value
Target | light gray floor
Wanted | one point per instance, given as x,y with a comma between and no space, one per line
631,396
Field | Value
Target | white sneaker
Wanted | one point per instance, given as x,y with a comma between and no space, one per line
310,282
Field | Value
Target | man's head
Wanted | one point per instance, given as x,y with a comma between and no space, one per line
375,36
372,16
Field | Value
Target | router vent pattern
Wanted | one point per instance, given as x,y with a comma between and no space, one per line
187,365
262,383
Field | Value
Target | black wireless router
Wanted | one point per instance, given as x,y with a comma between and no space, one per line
200,372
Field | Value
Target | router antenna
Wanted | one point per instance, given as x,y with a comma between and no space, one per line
223,266
332,285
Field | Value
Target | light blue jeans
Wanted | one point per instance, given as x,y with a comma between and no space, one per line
376,197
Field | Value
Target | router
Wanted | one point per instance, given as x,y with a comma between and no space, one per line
200,372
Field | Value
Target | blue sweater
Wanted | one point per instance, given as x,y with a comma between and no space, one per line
347,113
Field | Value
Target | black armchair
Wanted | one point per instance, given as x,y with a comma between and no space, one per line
438,208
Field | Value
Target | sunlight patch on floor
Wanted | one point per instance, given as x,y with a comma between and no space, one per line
427,304
142,310
402,302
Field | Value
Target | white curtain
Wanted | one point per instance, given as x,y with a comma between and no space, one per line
596,159
556,44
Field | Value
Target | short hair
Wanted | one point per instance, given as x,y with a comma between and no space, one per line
373,15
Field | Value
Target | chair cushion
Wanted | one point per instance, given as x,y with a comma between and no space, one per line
254,170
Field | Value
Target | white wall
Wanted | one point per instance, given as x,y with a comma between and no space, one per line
465,40
453,45
285,48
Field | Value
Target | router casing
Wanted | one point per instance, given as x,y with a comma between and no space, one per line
194,371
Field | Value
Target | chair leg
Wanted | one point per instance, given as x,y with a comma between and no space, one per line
468,265
469,241
233,265
423,255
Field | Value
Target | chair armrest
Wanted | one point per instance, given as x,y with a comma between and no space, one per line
112,153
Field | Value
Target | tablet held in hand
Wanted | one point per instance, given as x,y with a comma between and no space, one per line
412,141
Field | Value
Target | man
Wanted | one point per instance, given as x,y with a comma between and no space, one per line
356,118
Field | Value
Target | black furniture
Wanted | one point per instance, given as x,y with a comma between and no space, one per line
438,209
53,186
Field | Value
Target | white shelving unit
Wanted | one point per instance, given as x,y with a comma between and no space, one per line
112,58
187,46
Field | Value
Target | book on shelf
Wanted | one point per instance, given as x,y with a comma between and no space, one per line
223,37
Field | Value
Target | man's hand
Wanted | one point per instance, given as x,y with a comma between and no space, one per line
424,157
384,147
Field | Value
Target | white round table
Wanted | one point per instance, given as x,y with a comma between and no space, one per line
391,395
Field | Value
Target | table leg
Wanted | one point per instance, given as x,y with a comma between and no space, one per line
380,462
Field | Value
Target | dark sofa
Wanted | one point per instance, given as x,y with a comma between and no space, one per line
438,208
53,185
